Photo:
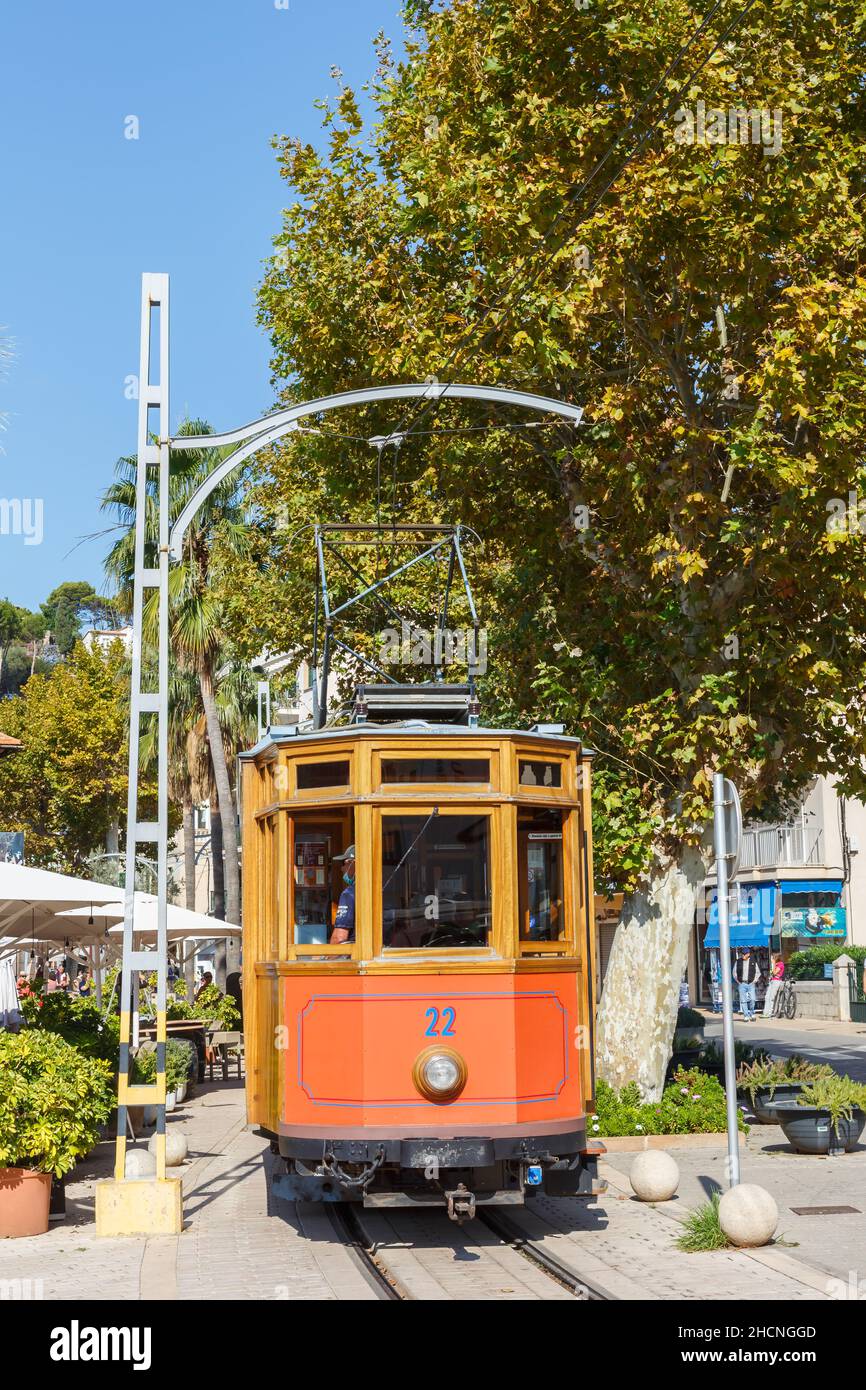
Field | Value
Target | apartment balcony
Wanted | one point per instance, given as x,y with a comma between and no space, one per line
772,846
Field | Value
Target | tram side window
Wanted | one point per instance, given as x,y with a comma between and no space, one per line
540,868
538,773
318,874
435,881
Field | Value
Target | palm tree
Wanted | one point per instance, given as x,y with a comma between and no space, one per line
195,618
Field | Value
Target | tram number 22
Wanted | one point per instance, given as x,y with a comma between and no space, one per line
432,1030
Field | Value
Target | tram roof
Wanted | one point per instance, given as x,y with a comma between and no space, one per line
282,734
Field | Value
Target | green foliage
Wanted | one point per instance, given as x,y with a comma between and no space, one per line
693,1103
53,1100
212,1003
67,784
439,240
702,1229
177,1063
840,1096
771,1072
143,1070
809,964
78,1021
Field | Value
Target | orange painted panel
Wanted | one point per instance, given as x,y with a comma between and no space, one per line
353,1041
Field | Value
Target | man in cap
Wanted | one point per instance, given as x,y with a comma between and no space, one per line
344,927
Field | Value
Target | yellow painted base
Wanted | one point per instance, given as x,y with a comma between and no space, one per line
139,1207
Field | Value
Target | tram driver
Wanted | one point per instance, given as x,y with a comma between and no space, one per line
344,926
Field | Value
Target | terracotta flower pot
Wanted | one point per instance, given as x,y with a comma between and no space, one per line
25,1196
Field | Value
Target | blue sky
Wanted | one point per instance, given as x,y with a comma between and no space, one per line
86,210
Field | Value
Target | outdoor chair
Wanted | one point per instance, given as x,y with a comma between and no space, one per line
231,1047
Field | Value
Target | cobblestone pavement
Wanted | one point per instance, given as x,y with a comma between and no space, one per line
239,1242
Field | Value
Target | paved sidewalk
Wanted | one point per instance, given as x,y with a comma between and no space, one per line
235,1242
833,1245
239,1242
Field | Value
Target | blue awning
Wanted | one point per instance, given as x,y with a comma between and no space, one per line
753,920
811,885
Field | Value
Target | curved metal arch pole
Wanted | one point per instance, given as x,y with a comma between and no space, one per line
268,430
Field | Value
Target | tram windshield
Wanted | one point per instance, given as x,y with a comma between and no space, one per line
435,881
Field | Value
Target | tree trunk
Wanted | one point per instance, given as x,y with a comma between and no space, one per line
112,837
219,894
189,853
228,816
639,1002
216,854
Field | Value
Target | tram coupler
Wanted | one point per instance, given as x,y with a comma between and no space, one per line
461,1204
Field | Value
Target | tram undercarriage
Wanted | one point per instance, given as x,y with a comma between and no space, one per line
458,1173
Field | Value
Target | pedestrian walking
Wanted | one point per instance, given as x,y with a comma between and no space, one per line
747,973
777,975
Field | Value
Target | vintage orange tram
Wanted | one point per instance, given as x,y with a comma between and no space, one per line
418,955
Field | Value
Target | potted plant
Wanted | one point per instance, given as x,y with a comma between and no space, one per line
52,1103
771,1081
712,1058
689,1025
177,1065
828,1116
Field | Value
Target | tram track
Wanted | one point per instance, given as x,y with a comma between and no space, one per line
585,1289
345,1221
421,1255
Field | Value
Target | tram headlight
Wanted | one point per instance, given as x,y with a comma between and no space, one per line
439,1074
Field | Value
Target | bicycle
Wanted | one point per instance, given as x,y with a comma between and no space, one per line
785,1002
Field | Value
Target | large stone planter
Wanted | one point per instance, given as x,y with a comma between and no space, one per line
764,1104
810,1132
25,1198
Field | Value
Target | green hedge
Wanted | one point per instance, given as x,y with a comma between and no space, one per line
77,1021
809,964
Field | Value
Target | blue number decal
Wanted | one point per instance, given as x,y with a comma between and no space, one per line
431,1030
449,1031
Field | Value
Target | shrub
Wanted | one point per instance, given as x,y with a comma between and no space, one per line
53,1100
840,1096
78,1021
693,1103
809,964
712,1055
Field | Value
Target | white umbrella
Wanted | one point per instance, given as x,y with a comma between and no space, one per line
181,922
31,899
8,989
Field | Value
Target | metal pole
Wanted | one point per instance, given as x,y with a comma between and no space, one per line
721,850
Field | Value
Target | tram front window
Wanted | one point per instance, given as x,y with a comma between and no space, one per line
435,881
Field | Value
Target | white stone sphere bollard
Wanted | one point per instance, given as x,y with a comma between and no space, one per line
654,1176
176,1147
139,1164
748,1215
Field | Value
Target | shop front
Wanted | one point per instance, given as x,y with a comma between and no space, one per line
752,917
811,914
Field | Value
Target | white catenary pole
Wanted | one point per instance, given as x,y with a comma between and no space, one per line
724,796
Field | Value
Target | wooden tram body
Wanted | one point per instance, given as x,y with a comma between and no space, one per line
445,1055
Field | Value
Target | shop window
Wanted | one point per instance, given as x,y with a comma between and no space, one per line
435,881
